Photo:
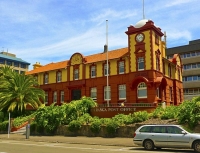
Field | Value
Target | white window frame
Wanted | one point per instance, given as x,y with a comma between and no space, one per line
55,96
62,96
140,61
141,86
105,69
105,93
59,75
93,93
121,67
93,71
122,91
76,73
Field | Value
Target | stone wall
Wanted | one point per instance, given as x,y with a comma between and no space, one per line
122,131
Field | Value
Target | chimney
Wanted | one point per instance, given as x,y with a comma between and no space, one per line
37,65
105,48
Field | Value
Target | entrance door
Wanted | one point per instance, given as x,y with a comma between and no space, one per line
76,94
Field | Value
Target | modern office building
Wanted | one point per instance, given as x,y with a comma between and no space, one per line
190,56
19,65
137,74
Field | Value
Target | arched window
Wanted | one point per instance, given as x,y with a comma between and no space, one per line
142,90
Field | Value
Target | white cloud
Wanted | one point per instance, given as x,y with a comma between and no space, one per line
177,2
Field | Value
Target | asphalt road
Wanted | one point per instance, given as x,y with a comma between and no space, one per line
13,146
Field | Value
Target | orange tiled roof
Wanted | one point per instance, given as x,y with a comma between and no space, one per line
49,67
89,59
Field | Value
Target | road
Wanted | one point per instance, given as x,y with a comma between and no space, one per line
12,146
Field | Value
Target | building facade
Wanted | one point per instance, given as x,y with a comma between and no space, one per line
190,55
137,74
18,65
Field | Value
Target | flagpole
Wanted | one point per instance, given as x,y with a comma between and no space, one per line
107,62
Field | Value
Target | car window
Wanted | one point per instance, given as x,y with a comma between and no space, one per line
174,130
159,129
145,129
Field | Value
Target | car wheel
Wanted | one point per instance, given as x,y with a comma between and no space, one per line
148,145
196,146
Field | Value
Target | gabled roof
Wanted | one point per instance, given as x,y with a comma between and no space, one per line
13,58
89,59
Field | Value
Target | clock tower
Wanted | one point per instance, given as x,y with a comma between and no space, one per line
146,50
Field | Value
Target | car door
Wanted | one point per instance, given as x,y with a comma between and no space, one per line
176,138
159,136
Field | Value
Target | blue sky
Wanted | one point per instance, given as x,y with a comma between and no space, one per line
48,31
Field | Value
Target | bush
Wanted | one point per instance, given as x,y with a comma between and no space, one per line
189,112
95,126
140,116
111,127
1,116
169,112
74,126
4,126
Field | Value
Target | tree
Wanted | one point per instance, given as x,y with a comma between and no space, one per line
18,90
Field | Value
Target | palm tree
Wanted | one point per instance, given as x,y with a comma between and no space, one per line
18,90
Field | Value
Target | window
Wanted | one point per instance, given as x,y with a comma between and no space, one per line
122,91
140,63
93,71
2,61
22,72
169,71
179,74
46,79
55,96
156,39
146,129
46,98
174,130
157,64
105,70
23,66
76,74
16,64
9,63
170,93
163,67
59,78
158,92
107,93
17,71
93,93
62,93
121,67
142,90
36,78
159,129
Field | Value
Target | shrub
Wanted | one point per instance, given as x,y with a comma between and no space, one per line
4,126
74,126
140,116
169,112
111,127
189,112
1,116
95,126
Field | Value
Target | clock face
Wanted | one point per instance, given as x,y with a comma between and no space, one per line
140,37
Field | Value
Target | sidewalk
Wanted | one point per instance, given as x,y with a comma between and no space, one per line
126,142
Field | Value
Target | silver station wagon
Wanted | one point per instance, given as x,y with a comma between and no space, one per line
166,136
